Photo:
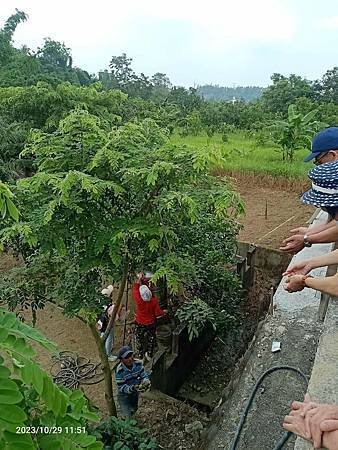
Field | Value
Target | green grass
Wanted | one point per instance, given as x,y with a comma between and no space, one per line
245,155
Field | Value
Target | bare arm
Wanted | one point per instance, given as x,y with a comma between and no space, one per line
305,266
321,227
327,285
328,235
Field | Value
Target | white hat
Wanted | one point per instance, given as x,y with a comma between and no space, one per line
148,275
107,291
145,293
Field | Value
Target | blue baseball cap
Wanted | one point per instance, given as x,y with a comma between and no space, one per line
323,141
124,352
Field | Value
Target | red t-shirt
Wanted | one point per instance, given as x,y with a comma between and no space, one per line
146,312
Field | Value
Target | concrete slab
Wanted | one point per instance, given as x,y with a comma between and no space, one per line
323,386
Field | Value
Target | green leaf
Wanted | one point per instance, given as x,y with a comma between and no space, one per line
19,441
4,372
3,334
9,397
37,379
27,373
12,209
13,414
90,416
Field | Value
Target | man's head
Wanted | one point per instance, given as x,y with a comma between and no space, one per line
126,355
324,147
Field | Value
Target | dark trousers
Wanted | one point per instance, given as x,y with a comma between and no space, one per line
145,339
128,404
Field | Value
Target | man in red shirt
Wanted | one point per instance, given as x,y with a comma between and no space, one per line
147,311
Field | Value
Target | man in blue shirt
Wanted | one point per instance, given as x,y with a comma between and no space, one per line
131,378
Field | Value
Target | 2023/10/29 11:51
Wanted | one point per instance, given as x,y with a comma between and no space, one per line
50,430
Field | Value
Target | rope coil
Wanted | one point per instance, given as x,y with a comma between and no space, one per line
70,370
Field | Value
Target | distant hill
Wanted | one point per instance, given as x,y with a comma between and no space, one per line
218,93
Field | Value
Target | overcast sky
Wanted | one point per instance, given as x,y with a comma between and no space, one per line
223,42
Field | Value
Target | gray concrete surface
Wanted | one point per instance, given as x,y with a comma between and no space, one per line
295,325
323,386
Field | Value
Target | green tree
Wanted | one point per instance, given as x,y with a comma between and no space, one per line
6,35
327,88
295,132
107,203
284,91
55,53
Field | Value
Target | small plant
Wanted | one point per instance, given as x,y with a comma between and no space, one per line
120,434
225,130
196,314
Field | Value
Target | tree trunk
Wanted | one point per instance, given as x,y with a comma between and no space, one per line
119,299
106,371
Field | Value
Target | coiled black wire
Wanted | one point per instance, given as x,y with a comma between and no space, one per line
71,370
287,434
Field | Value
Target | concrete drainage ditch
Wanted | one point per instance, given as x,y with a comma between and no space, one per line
186,370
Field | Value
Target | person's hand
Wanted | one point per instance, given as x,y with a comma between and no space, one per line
303,407
143,386
165,311
294,283
301,268
295,422
299,230
293,244
140,275
321,416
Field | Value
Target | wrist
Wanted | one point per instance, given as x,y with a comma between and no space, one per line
305,278
306,240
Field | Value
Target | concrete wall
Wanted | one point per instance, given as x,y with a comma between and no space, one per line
171,370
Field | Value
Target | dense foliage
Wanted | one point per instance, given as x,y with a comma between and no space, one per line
35,412
123,435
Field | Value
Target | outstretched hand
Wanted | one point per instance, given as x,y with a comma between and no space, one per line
301,268
293,244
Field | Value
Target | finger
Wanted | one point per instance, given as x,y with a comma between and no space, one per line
288,427
329,425
289,419
317,437
307,399
310,406
297,405
307,425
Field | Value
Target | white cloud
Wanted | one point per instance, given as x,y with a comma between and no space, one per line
87,24
329,23
240,20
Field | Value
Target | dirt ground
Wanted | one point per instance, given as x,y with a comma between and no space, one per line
175,426
268,208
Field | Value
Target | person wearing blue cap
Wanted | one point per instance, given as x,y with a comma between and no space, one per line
324,147
324,150
323,194
131,379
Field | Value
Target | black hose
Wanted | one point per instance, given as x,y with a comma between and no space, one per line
283,439
285,436
71,370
